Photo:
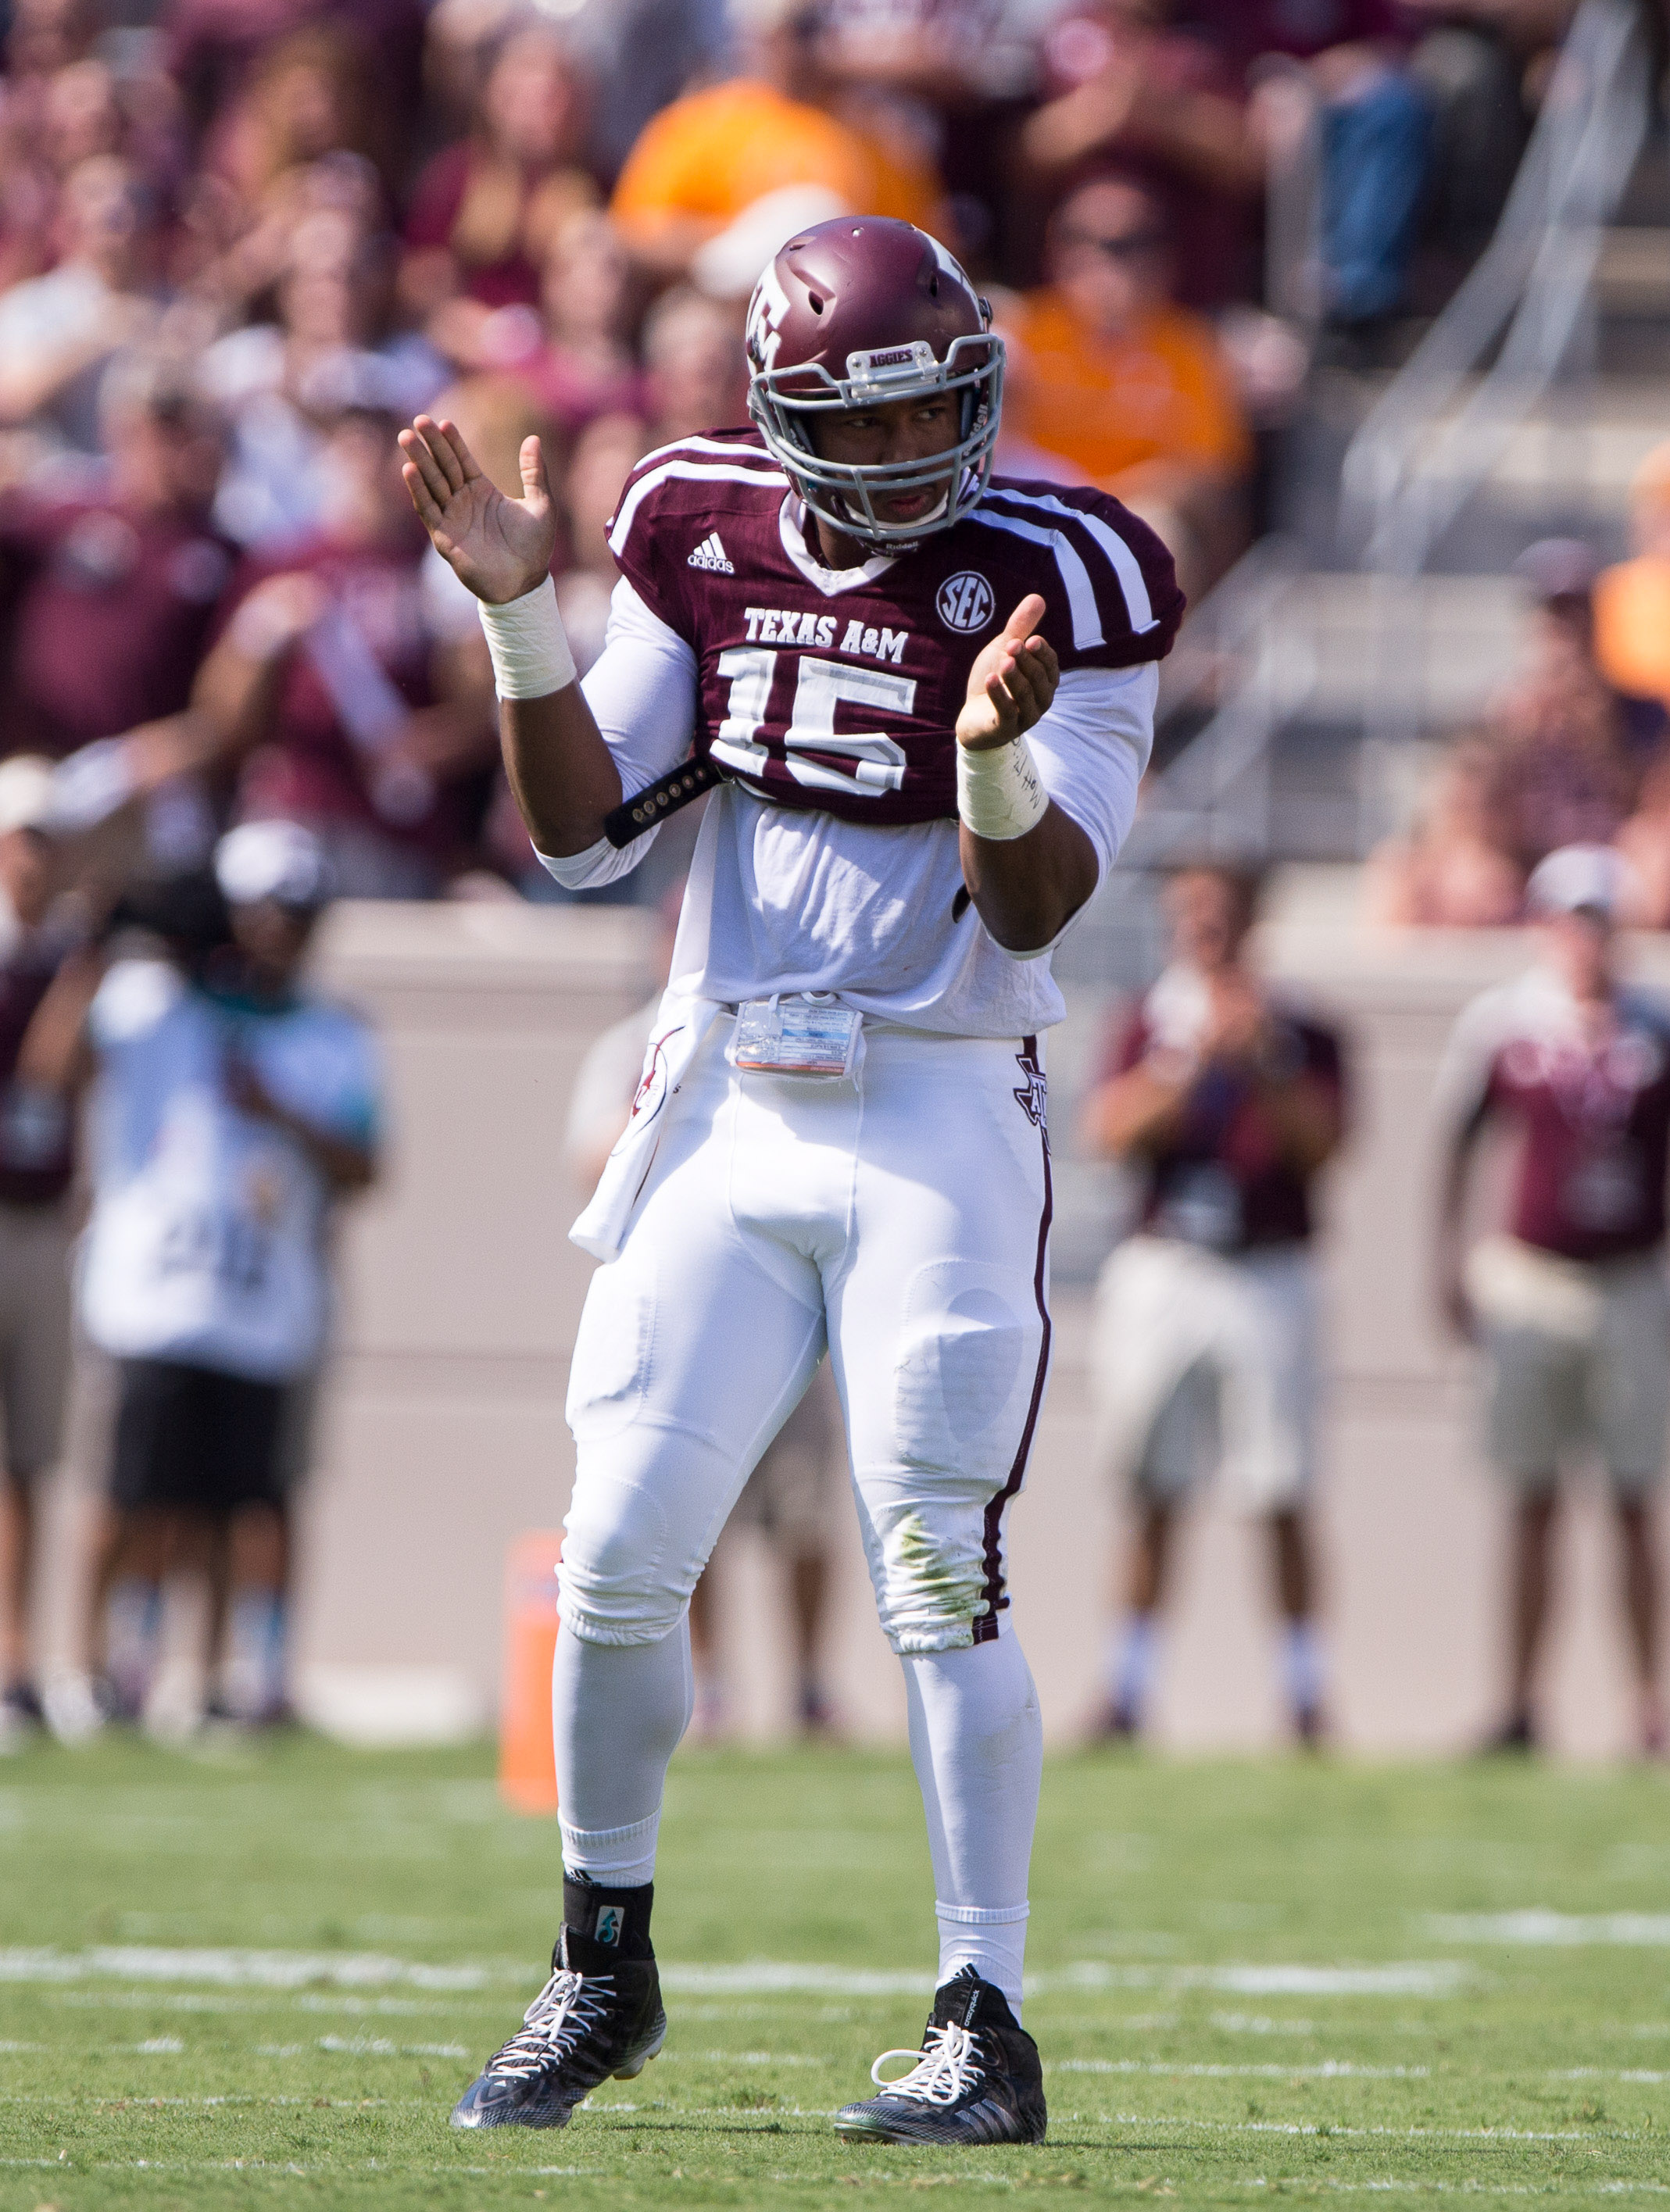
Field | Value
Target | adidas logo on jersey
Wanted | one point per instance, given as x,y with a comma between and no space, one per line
710,554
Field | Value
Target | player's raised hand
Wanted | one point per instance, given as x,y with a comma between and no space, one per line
1012,682
500,547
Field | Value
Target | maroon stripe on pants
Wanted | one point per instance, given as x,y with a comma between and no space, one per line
985,1624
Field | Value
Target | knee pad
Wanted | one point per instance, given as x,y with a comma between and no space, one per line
618,1579
928,1564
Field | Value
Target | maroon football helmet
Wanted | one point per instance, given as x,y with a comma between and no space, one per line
854,312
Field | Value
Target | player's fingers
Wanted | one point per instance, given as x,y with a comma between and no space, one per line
444,466
427,513
536,482
1026,617
1035,672
1003,701
454,456
420,455
1030,698
1045,653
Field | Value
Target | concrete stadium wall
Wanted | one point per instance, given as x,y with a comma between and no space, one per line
442,1436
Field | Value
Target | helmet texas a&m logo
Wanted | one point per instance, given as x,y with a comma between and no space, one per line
853,314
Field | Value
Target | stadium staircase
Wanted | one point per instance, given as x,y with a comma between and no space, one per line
1308,688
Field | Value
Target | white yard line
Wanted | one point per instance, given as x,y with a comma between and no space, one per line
1424,2187
236,1969
1540,1925
337,2167
286,1971
1319,2069
1606,2074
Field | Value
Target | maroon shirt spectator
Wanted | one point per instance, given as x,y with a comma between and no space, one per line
1223,1177
1591,1108
213,44
339,695
485,211
1564,773
1166,107
1244,30
578,364
310,770
111,596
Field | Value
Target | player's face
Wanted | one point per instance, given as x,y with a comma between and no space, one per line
272,938
1581,947
895,430
1207,920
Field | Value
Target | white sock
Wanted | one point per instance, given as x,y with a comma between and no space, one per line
1302,1669
255,1663
1134,1652
977,1742
617,1711
133,1622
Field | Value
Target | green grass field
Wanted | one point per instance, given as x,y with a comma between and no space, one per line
260,1977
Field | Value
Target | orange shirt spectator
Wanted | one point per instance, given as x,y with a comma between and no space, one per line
1632,600
710,156
716,152
1126,385
1157,390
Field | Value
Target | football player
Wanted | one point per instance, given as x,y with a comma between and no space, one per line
926,697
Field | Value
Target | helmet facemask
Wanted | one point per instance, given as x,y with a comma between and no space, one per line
785,403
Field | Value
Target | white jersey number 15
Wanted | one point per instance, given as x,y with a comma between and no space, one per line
878,761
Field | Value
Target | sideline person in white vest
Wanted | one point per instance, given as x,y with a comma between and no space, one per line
231,1109
1569,1304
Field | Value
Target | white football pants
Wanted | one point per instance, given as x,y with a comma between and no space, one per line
901,1217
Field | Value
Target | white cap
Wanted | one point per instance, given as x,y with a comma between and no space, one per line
729,266
273,860
29,794
1581,879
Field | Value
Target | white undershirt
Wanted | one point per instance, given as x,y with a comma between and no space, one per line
782,899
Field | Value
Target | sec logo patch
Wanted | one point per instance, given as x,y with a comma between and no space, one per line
965,601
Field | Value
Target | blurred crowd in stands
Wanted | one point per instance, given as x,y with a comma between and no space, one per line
1573,752
240,239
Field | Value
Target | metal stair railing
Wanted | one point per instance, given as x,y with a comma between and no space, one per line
1252,640
1430,443
1247,642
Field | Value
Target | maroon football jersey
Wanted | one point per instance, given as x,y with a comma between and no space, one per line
1593,1114
840,688
1223,1177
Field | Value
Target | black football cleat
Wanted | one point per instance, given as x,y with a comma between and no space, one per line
590,2021
976,2079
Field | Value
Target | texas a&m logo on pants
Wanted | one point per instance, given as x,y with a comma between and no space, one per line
965,601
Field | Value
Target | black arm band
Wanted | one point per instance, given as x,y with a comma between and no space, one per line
658,800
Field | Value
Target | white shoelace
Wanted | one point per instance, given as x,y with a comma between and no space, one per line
564,2009
946,2067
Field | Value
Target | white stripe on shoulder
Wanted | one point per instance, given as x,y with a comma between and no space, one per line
704,471
1125,565
1075,576
722,448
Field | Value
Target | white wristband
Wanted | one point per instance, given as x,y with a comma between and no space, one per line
531,655
999,793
